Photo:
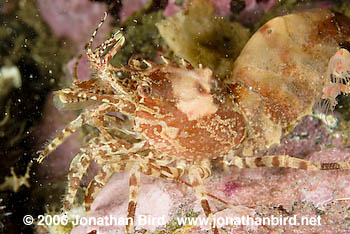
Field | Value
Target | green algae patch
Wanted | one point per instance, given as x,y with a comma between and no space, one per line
142,38
199,36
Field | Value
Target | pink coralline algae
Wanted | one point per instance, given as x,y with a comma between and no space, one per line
73,19
253,192
252,5
222,7
129,7
253,10
76,20
171,8
230,188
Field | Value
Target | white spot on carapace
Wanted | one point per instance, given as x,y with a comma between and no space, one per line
192,89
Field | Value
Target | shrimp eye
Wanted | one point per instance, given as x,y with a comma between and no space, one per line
144,90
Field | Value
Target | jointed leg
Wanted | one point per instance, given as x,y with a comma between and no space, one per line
101,65
115,151
68,96
76,64
118,39
134,183
96,119
134,190
62,136
104,155
89,86
111,41
95,57
166,172
83,118
78,168
285,161
197,176
97,184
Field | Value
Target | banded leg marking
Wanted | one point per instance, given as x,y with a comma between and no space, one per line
197,176
170,173
82,119
76,64
78,168
97,184
287,162
118,39
95,59
134,190
70,96
62,136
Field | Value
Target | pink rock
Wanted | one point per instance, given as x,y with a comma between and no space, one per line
253,10
319,196
253,5
74,19
171,8
222,7
129,7
154,201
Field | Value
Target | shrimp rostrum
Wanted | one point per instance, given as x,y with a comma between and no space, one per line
174,120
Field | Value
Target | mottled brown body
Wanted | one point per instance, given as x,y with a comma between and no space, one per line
172,125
